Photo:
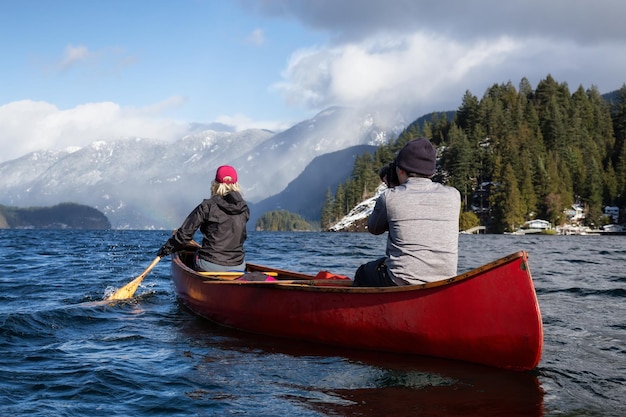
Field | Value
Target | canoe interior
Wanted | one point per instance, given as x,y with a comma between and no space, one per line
281,275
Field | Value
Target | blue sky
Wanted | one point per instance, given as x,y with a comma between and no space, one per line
78,71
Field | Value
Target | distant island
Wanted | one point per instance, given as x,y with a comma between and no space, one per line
61,216
283,221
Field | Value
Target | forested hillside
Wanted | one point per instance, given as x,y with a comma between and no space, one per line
61,216
516,154
282,220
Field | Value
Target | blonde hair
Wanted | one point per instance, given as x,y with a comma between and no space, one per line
220,188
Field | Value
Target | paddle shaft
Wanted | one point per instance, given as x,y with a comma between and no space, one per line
128,290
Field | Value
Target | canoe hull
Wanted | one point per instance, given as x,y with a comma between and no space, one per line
489,316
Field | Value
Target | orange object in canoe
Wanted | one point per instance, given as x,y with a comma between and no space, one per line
489,315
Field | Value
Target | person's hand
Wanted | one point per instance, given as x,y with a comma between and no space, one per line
164,251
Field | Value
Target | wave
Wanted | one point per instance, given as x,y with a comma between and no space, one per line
586,292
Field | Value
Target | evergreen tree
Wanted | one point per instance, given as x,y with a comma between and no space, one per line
525,89
528,196
618,155
553,126
411,132
428,130
600,125
594,194
510,201
339,204
497,198
326,218
383,155
620,174
365,177
610,186
459,161
440,127
468,115
551,193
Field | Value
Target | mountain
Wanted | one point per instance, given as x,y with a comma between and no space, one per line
14,174
141,183
136,182
305,194
272,165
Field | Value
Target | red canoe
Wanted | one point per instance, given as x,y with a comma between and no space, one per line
489,315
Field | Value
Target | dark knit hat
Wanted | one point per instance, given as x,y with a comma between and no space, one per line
418,157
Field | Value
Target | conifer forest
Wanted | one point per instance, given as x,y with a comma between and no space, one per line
515,154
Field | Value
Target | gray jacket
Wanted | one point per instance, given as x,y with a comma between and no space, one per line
422,218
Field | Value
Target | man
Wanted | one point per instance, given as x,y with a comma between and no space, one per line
422,218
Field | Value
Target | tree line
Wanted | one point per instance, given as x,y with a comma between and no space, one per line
282,220
60,216
515,155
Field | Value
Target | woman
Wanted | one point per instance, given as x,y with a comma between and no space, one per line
222,220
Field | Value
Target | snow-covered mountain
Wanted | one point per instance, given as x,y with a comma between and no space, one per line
286,154
144,183
136,182
305,195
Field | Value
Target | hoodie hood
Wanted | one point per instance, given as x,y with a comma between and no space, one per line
232,203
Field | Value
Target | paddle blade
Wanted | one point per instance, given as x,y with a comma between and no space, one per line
128,290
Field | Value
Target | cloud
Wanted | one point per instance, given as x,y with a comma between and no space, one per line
27,126
423,55
159,108
580,20
257,38
73,55
415,55
107,60
240,122
386,70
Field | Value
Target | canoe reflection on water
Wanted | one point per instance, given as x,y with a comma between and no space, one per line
349,382
443,388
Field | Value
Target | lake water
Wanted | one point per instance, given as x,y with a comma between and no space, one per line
63,353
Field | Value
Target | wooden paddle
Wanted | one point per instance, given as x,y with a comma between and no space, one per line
128,290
